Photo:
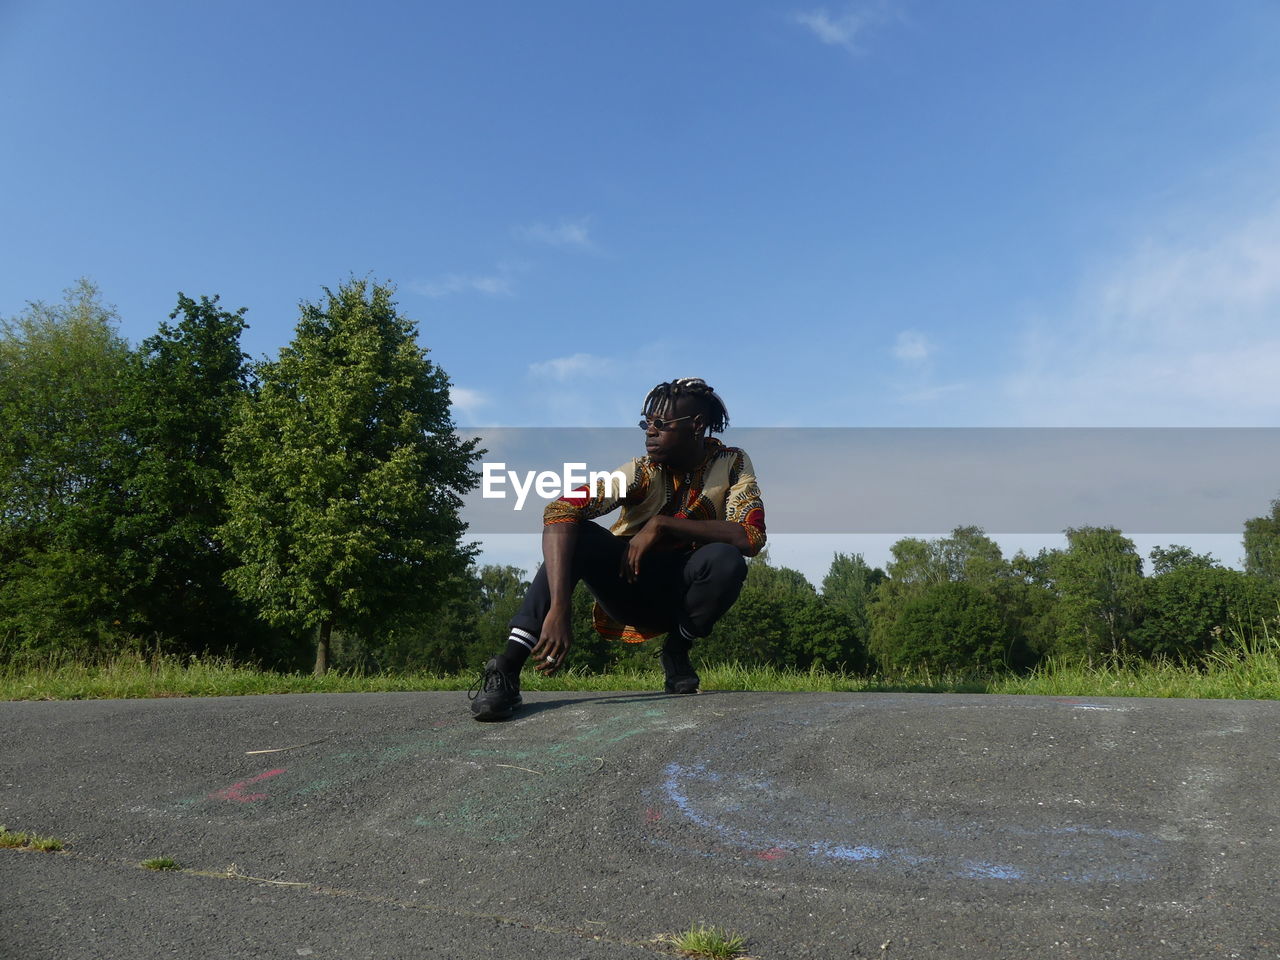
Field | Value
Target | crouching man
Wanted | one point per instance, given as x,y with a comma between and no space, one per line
671,564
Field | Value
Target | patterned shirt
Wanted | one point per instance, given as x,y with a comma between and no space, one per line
722,487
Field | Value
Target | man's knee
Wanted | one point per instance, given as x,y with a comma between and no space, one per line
720,563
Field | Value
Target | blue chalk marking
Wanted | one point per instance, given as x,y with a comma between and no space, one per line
846,853
1105,832
990,871
743,813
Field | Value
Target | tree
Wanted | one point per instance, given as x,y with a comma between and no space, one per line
1029,605
62,369
347,475
1165,560
1191,608
502,590
1099,584
968,555
848,588
183,387
754,631
950,626
451,639
822,635
779,619
1262,544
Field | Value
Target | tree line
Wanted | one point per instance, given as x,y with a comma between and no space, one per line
300,511
177,496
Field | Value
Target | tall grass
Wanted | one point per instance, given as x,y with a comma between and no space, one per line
1244,666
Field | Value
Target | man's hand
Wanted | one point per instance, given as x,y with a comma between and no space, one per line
641,544
554,643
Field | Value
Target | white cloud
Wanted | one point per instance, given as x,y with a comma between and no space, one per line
1177,333
562,369
844,29
468,402
916,387
566,233
913,347
497,284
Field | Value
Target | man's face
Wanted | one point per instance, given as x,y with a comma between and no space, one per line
677,442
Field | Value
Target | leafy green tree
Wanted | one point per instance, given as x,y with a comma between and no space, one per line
502,590
970,556
183,387
780,619
448,641
1166,559
755,631
949,626
62,370
822,635
917,562
847,589
1262,544
1029,606
1098,579
1192,608
966,556
347,475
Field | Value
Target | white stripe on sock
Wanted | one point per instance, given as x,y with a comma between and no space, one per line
686,634
523,637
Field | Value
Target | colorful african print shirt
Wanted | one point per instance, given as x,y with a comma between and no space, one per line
722,487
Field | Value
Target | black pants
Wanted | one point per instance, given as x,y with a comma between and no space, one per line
689,589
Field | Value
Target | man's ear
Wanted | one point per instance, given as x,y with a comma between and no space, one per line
699,423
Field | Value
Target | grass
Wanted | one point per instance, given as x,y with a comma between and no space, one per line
13,840
701,940
160,863
1245,669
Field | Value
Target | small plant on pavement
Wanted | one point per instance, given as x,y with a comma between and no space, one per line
160,863
29,841
704,940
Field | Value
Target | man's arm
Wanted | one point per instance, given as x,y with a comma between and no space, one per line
561,521
744,505
678,530
558,543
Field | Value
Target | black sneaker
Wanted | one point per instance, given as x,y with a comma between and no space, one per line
681,677
496,694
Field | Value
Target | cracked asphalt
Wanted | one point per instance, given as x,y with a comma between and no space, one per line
888,826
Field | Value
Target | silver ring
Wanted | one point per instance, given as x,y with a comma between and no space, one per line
551,659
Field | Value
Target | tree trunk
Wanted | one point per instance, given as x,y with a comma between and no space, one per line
322,648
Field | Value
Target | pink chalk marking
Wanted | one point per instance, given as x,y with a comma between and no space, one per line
236,792
773,853
652,815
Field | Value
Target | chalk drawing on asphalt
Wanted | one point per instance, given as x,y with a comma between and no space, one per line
749,804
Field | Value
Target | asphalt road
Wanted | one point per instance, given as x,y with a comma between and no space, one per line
819,825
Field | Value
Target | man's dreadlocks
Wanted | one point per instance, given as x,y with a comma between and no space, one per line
712,407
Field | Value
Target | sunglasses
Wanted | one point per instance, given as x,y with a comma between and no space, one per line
658,423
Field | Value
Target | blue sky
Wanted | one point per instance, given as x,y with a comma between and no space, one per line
891,213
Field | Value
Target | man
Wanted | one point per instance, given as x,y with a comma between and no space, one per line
672,563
